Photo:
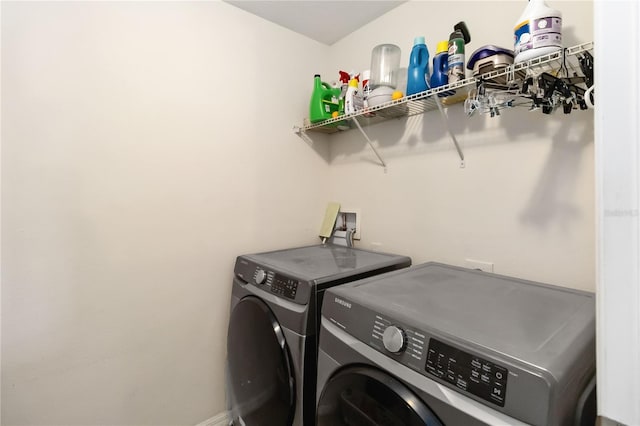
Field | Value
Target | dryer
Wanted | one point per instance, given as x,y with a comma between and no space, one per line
441,345
273,328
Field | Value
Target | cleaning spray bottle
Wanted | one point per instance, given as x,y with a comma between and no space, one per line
350,101
458,38
417,76
344,86
538,31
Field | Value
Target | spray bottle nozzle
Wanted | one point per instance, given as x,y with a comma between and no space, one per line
462,28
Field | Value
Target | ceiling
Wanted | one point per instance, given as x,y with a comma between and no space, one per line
325,21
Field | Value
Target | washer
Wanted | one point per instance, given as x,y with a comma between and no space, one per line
272,337
440,345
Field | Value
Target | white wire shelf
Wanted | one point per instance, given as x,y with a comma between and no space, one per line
564,60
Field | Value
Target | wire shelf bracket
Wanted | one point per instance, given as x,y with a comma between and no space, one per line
375,151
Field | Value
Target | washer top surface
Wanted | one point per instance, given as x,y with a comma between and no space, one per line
524,319
323,263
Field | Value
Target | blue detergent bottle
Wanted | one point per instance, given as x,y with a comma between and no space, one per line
418,67
439,75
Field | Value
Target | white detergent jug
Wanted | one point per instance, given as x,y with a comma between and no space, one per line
538,31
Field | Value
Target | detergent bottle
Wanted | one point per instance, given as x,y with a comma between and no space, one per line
418,71
324,100
439,75
538,31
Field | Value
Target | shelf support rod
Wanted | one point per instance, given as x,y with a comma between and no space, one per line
302,134
453,137
370,143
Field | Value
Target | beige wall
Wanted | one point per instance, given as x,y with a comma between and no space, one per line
524,201
144,146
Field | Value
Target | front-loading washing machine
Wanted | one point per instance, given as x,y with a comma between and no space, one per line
272,339
441,345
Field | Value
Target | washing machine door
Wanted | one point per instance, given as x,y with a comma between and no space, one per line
359,396
260,377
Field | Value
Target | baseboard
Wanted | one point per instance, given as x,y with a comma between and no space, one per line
220,419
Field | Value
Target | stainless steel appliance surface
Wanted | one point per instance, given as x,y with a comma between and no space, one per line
272,340
449,345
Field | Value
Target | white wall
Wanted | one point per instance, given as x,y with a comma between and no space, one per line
144,146
524,201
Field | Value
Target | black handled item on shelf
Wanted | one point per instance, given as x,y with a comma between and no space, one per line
553,92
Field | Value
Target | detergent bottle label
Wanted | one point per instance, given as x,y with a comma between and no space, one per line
539,32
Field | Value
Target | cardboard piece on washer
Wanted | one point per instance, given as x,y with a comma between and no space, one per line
329,220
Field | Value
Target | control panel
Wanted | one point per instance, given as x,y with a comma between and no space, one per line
467,372
284,286
423,353
275,283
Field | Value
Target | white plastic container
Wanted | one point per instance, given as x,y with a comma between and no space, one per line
379,96
538,32
385,61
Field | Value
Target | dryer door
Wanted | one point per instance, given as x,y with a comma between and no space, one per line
365,396
261,382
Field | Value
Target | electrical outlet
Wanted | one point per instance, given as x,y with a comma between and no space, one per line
478,264
376,246
349,218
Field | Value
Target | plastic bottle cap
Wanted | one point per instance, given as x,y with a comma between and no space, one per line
443,46
418,40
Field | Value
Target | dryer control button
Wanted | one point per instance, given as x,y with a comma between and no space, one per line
394,339
260,276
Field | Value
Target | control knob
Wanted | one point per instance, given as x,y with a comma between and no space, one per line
394,339
261,276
